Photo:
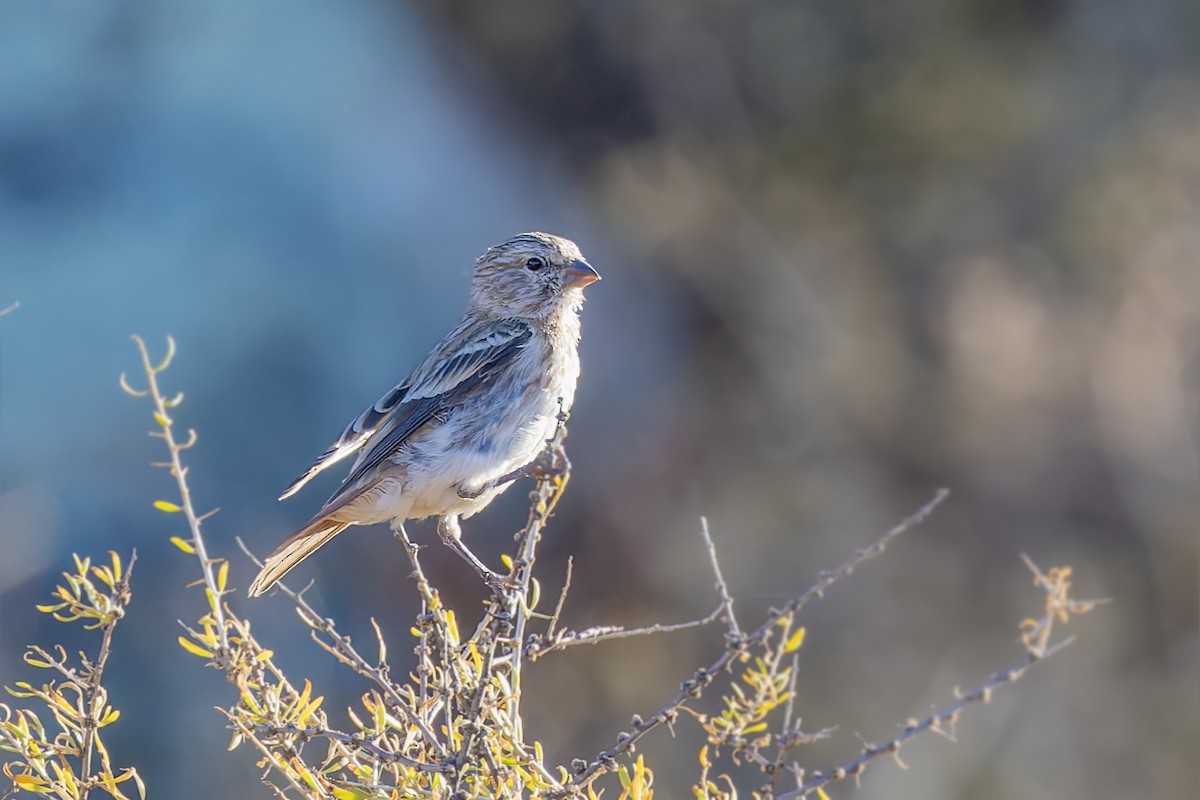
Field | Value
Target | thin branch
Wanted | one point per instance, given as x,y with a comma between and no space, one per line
92,694
1060,606
341,648
538,646
562,599
940,721
569,638
544,498
179,472
353,740
485,645
269,755
828,578
605,761
722,588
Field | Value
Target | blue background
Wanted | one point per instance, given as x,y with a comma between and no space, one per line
851,252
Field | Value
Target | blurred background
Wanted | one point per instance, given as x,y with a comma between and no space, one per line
851,252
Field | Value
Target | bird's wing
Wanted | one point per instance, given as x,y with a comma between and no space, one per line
354,437
466,358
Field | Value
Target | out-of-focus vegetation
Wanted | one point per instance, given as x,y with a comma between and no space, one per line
852,251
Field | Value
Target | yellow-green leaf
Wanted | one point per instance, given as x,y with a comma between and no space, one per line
167,507
302,719
193,648
30,783
794,642
250,702
184,545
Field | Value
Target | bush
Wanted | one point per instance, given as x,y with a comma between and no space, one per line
452,727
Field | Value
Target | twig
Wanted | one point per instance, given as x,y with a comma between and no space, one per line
544,499
179,472
269,755
1058,606
568,638
357,741
605,761
938,722
722,589
562,599
539,646
341,648
472,717
1056,583
424,666
93,694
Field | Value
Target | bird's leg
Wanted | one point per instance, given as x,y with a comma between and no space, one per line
451,535
552,462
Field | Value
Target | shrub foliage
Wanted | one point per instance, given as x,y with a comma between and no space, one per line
451,727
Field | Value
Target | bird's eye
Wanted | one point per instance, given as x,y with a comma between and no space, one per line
534,264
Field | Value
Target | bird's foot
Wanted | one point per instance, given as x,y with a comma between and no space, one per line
551,463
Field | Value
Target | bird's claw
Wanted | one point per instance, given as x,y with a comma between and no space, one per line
496,582
551,463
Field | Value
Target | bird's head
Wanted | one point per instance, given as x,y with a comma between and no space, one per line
533,275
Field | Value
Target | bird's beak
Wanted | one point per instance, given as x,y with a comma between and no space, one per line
580,274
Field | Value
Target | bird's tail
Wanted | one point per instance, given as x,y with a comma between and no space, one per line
299,546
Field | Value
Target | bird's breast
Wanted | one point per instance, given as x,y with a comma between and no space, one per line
494,432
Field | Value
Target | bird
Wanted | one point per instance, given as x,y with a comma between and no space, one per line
476,415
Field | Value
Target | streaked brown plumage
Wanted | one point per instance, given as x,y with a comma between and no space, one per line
455,433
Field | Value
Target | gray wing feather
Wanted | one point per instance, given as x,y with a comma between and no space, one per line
478,344
466,358
440,383
355,436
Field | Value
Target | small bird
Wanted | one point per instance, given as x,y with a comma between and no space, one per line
472,418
